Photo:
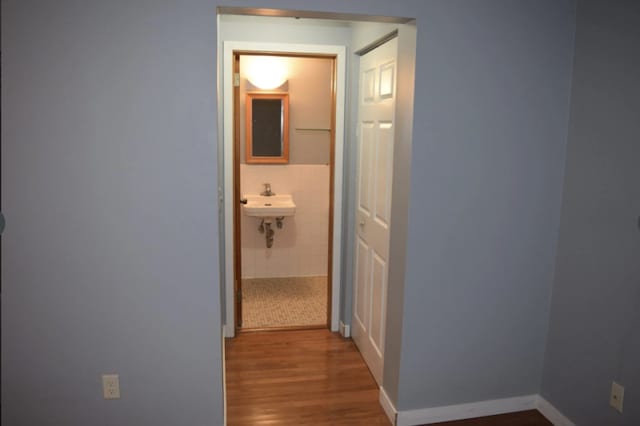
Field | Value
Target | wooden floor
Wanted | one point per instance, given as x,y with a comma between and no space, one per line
522,418
310,377
313,377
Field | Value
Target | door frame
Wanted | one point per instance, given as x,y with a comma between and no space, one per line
335,262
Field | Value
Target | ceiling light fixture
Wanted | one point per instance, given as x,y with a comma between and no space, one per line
266,72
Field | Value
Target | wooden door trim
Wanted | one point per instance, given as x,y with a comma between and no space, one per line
226,188
332,155
237,257
237,228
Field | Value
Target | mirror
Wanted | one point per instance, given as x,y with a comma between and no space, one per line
267,133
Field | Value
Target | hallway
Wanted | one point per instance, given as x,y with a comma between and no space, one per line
310,377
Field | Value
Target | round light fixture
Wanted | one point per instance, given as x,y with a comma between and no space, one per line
266,72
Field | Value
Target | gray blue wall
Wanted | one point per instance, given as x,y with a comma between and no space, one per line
492,94
594,336
110,256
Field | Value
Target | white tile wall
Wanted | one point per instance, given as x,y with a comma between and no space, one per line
301,247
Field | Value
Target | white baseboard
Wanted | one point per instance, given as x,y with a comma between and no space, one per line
466,411
473,409
387,406
552,413
228,330
345,330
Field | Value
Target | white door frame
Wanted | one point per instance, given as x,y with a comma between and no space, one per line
227,82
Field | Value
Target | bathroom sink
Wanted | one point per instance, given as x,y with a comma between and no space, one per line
272,206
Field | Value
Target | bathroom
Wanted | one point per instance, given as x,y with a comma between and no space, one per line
282,270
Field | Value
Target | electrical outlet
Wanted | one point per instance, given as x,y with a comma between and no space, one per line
111,386
617,396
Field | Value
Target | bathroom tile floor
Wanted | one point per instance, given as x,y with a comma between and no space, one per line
284,302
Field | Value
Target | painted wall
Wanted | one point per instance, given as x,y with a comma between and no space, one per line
301,247
108,114
595,311
491,113
110,255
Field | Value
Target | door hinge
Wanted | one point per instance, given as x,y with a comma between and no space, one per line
236,79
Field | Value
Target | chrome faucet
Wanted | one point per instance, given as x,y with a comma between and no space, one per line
267,190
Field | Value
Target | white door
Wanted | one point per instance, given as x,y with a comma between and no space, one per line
376,107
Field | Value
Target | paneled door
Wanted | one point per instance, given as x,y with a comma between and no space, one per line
376,108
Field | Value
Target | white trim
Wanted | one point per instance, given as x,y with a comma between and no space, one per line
387,406
227,73
474,409
345,330
466,411
228,331
552,413
224,380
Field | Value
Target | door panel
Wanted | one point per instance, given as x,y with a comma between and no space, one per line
362,270
378,295
384,164
375,170
364,190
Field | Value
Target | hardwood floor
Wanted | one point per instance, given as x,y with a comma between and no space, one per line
310,377
313,377
521,418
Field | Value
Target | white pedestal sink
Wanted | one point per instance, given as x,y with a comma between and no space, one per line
271,206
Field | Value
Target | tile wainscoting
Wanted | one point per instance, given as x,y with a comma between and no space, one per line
301,247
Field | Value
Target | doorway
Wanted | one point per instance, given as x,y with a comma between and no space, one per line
284,132
339,36
232,193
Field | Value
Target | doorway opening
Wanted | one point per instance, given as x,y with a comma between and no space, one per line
357,275
284,133
336,55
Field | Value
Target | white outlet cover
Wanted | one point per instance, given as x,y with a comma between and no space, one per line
111,386
617,396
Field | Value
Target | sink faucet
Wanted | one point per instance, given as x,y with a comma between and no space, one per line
267,190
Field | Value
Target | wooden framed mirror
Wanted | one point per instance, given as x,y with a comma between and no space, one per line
267,132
